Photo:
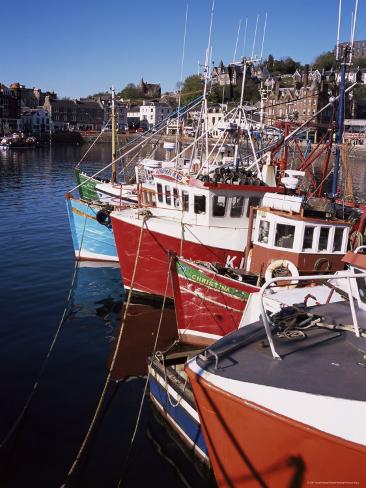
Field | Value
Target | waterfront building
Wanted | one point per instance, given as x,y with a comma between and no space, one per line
67,114
133,116
9,110
31,97
35,120
152,113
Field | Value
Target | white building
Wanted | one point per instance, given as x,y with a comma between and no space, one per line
151,113
35,120
133,116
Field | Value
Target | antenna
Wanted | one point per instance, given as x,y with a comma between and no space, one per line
353,31
237,40
264,34
255,36
245,35
339,28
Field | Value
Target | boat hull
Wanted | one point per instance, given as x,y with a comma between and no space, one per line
173,399
251,446
87,188
208,305
91,240
151,258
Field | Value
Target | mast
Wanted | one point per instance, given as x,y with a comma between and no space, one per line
341,108
114,137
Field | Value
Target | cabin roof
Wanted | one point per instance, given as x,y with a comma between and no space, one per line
300,217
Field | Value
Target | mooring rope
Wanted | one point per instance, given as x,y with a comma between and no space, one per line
35,387
108,379
147,378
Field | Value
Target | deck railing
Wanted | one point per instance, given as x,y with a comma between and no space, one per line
347,276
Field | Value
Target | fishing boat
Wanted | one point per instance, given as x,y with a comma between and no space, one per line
203,218
89,220
281,400
291,236
169,387
89,215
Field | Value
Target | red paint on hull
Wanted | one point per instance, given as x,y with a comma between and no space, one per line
250,446
202,308
152,266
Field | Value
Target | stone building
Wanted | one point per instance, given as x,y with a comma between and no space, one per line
9,110
121,112
31,97
149,90
67,114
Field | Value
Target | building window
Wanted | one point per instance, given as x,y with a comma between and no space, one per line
185,201
219,206
323,239
168,199
199,204
237,207
263,234
308,238
159,189
338,239
285,235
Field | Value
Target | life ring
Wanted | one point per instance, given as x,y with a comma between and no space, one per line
104,218
282,263
318,266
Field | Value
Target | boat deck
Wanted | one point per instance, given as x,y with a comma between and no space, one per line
326,362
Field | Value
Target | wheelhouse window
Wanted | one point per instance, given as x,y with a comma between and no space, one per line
185,200
176,198
308,238
168,199
338,239
285,235
361,286
263,234
253,202
199,204
237,207
159,189
323,238
219,206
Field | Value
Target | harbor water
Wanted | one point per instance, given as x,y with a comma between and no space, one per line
37,268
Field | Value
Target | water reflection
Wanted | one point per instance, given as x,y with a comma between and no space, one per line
98,290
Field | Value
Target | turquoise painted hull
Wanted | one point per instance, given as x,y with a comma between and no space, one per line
92,240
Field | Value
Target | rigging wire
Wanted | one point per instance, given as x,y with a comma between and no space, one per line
109,376
92,145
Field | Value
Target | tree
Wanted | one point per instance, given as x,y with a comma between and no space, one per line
325,61
192,88
270,62
130,92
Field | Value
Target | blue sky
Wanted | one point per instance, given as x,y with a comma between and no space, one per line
80,47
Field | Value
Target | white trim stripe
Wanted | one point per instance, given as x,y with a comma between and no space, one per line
336,416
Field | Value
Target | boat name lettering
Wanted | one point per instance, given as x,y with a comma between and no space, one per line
172,173
198,277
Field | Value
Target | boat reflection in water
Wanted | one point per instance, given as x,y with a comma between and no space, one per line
98,291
